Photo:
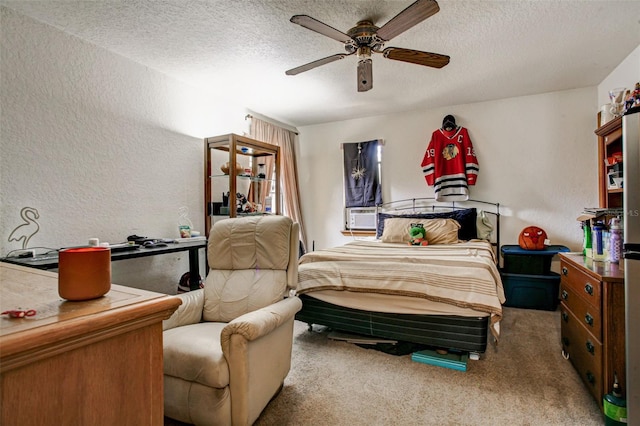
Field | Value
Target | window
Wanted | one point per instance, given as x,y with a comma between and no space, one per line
362,166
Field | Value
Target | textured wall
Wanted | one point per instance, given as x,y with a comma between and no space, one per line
104,147
537,157
101,146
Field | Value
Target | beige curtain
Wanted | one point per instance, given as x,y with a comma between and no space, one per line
269,133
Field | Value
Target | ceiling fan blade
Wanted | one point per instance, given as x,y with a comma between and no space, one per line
428,59
365,75
314,64
412,15
320,27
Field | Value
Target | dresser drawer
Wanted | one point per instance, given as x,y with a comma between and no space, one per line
583,350
589,315
582,284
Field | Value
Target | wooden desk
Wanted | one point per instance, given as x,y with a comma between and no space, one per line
50,260
96,362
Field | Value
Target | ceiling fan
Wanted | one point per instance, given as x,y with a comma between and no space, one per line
366,38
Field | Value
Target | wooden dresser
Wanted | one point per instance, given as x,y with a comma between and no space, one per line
593,321
80,363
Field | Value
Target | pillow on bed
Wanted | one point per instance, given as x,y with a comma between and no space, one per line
439,231
466,218
484,226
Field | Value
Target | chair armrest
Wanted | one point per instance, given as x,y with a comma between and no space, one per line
190,312
257,347
261,322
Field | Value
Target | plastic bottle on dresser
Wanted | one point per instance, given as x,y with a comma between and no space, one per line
586,241
615,240
598,241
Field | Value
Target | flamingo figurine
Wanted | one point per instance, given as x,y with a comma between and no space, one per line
28,229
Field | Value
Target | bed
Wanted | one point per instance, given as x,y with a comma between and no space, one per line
447,294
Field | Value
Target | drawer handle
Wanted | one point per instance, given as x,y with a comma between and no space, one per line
590,348
588,319
588,288
565,295
565,271
565,316
590,377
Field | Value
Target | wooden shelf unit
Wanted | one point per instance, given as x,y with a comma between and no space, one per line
609,142
236,149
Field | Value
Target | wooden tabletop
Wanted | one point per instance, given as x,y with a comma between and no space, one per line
57,320
602,271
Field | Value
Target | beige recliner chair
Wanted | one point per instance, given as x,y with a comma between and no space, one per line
227,349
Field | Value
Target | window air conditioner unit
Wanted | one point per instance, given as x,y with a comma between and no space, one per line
362,218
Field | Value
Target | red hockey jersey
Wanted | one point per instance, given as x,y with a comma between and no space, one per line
450,165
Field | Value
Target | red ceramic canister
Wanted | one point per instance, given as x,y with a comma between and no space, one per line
84,273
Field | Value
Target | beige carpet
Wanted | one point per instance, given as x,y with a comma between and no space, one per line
525,381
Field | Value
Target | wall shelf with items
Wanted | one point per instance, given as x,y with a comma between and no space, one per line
242,178
610,163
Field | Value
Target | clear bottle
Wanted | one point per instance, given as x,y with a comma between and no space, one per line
615,240
184,223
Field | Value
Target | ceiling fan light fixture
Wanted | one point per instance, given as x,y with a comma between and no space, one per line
364,53
377,45
350,47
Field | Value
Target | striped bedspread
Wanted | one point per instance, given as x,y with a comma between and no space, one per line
463,274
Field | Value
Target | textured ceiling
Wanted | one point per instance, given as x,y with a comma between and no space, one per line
242,48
